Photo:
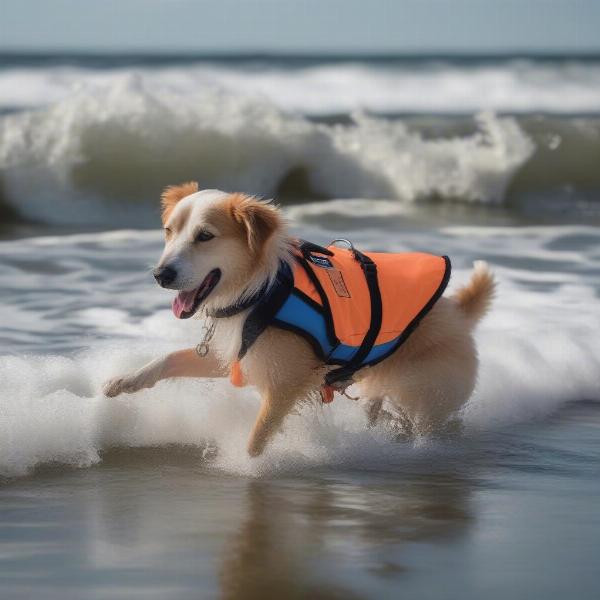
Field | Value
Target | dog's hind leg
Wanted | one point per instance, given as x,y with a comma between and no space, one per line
398,420
373,410
431,392
426,392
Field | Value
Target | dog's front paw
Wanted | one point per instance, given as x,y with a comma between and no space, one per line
119,385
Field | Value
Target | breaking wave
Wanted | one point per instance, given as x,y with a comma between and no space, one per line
321,86
98,155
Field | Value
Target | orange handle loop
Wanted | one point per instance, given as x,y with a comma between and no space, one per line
236,376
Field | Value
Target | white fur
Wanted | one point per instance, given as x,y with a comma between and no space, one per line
181,253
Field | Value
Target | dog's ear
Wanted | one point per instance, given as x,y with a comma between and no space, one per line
173,194
259,219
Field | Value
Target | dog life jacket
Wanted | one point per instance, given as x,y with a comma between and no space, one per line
354,309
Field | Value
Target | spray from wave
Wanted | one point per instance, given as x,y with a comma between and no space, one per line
53,411
97,155
539,350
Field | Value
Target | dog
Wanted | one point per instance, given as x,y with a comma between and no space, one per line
224,250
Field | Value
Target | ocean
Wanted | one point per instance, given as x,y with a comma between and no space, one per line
152,495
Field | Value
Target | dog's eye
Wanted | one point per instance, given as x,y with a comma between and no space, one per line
167,231
203,236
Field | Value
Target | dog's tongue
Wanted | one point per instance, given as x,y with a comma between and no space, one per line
183,302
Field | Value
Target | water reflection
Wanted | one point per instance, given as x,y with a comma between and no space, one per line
164,523
320,539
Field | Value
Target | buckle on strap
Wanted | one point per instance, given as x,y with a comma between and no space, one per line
369,267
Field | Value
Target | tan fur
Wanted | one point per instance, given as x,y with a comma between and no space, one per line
285,370
173,194
256,226
258,219
476,297
432,374
427,379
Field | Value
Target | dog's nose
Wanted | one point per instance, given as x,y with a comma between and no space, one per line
164,275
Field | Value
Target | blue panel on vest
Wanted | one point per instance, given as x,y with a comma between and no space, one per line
380,350
298,313
343,352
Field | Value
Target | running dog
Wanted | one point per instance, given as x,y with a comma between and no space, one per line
297,320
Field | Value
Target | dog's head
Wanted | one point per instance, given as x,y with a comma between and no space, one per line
216,245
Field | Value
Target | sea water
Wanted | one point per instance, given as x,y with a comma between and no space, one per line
152,495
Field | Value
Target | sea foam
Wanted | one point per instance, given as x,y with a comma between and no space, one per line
443,87
53,410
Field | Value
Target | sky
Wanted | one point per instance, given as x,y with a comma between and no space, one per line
300,26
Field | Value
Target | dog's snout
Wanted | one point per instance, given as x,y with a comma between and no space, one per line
165,275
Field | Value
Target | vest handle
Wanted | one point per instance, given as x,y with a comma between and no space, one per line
343,241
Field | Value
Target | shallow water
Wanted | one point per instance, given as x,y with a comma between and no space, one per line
509,514
153,495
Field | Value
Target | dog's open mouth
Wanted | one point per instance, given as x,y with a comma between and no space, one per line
186,303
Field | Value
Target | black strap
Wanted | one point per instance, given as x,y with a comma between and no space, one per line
270,303
326,310
235,309
345,373
308,248
266,302
240,305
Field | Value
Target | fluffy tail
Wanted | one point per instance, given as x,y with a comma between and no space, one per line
476,297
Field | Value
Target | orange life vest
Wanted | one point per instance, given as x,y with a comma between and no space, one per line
354,309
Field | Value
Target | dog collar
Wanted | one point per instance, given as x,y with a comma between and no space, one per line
242,305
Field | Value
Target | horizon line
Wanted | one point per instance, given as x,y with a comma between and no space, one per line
240,54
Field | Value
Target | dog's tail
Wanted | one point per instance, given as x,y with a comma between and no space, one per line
476,297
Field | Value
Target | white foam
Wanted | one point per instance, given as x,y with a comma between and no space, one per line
53,410
510,86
